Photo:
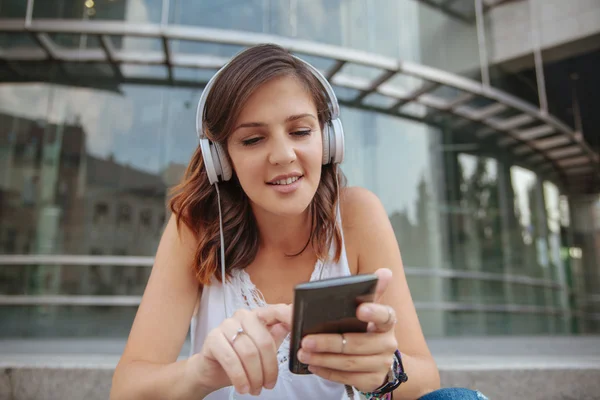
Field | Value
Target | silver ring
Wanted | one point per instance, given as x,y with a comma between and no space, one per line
343,343
239,332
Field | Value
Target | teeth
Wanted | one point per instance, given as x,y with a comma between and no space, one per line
286,181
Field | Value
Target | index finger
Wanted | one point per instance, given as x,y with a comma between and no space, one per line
273,314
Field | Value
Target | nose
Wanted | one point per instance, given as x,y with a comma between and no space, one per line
282,150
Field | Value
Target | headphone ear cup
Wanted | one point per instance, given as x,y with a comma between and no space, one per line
226,170
211,162
326,143
336,144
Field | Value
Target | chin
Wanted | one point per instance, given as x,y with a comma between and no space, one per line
287,205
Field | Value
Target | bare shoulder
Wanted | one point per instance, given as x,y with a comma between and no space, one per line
365,225
360,208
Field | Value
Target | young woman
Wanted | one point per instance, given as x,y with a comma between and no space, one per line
269,154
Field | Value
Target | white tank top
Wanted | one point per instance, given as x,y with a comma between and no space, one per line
241,293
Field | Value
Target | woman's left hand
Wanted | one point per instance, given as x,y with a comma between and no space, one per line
361,360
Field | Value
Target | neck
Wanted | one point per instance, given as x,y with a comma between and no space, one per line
282,234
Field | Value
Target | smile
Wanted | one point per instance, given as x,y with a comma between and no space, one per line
286,185
287,181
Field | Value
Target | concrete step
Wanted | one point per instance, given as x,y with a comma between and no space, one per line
502,368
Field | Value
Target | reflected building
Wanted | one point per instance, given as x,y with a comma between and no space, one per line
57,199
485,171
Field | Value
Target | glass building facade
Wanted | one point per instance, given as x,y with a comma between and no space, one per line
86,164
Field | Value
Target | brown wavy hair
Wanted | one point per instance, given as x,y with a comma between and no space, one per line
194,200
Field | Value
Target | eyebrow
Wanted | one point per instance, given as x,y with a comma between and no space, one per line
262,124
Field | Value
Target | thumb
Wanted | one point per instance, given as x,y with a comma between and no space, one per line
385,277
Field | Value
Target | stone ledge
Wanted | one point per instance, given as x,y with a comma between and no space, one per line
58,383
506,368
543,384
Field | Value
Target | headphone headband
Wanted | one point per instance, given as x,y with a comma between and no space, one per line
334,107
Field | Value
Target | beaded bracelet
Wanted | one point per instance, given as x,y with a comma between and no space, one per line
385,391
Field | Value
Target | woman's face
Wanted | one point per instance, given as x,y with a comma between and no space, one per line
276,147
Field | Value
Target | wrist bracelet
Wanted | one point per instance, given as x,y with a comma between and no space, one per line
398,376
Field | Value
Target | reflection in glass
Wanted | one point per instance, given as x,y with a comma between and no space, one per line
476,243
530,243
122,10
86,170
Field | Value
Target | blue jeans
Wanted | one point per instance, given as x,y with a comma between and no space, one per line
454,394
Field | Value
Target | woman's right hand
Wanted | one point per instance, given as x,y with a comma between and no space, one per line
249,362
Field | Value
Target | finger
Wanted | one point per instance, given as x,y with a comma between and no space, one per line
279,333
381,317
230,362
278,313
356,343
267,351
384,276
364,382
247,352
347,363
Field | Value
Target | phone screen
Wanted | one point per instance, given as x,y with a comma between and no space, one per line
328,306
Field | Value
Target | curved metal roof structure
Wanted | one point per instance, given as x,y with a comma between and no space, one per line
488,116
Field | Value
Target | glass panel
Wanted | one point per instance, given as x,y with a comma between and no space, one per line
497,324
100,280
528,324
553,214
122,10
522,294
71,41
463,323
214,49
529,244
85,139
493,292
19,41
60,321
193,74
181,141
13,9
420,287
150,71
404,29
474,226
96,70
242,15
344,93
379,101
132,43
374,160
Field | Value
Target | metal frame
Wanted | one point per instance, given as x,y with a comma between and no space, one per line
549,139
147,262
445,6
134,301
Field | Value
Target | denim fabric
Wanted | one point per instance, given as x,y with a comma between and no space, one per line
454,394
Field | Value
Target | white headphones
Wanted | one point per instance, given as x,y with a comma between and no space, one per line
217,165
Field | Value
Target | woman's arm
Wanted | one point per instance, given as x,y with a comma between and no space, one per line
148,368
369,232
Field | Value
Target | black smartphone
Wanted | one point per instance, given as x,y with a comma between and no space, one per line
328,306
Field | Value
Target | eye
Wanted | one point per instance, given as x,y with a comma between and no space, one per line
305,132
251,141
